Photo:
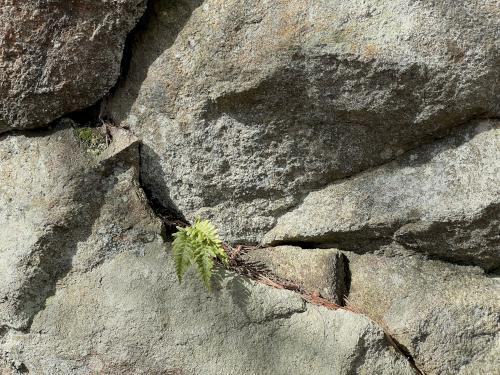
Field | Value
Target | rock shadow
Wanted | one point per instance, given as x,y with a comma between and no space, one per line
153,34
51,258
153,182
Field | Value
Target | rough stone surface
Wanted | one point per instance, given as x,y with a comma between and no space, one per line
321,271
246,106
53,193
441,199
87,285
447,316
59,56
367,125
130,315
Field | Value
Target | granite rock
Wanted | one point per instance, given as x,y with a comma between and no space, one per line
442,199
59,56
244,107
88,284
446,316
54,191
316,271
130,315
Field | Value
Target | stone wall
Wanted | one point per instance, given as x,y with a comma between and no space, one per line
352,148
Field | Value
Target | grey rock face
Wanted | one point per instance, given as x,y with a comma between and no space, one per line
448,317
52,195
304,122
245,107
88,286
321,271
442,200
59,56
130,315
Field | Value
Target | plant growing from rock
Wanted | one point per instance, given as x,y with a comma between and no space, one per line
198,245
93,138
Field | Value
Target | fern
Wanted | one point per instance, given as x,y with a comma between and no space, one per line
198,245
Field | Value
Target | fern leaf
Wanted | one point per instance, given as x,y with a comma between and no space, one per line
222,255
183,253
204,263
207,231
200,245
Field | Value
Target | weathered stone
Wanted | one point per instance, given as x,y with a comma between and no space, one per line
447,316
321,271
53,192
246,106
87,284
59,56
129,315
271,118
441,199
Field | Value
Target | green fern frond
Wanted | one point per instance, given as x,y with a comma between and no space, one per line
204,264
198,245
183,253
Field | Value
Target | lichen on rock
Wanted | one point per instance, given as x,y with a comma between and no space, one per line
93,139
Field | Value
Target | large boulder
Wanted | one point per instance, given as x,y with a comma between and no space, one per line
446,316
87,284
246,106
59,56
54,191
129,315
441,199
